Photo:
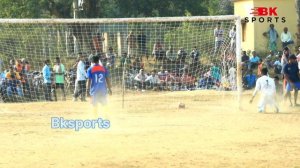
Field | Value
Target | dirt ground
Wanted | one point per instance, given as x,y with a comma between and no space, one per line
152,132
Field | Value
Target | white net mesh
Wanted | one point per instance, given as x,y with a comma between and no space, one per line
175,54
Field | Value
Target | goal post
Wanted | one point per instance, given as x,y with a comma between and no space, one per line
182,52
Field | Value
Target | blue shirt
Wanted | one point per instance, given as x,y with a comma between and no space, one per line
254,59
292,70
98,74
47,74
251,79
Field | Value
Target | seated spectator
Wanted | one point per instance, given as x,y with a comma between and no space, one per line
137,65
268,60
225,83
110,57
14,85
140,79
153,80
245,62
188,81
254,60
129,80
249,80
286,38
205,82
215,73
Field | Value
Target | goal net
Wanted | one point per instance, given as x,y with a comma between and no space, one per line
145,56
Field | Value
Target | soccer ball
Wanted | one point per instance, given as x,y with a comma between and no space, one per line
181,105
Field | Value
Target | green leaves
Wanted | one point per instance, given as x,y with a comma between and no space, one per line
113,8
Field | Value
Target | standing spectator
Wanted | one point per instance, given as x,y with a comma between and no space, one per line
286,38
98,43
59,77
93,53
195,54
12,62
111,57
14,84
218,33
140,78
285,57
292,76
142,41
273,36
232,36
47,80
277,65
284,61
158,51
131,42
171,55
80,87
1,66
181,55
24,77
259,67
124,59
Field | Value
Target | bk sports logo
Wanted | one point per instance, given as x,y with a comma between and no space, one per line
264,11
264,14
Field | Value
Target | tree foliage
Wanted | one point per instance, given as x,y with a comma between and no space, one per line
113,8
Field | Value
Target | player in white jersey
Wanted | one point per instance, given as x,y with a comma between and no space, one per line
266,86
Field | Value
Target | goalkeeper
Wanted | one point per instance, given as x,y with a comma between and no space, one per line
98,83
266,85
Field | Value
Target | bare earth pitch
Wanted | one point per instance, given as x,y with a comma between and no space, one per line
209,132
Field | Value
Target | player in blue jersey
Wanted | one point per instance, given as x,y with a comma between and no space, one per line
98,84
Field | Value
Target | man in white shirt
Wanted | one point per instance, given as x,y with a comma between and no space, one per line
266,86
232,36
153,80
218,33
140,78
80,87
286,38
